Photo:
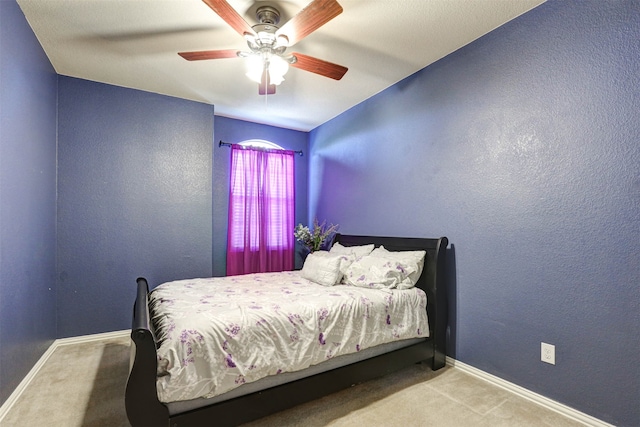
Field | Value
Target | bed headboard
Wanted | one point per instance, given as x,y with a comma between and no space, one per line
433,279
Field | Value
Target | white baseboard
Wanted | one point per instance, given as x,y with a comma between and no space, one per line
567,411
8,404
93,337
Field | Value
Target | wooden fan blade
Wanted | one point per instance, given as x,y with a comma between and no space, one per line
318,66
315,15
265,88
230,16
209,54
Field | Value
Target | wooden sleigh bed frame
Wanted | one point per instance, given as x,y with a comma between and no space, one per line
141,399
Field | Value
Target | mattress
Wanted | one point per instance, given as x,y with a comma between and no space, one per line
216,334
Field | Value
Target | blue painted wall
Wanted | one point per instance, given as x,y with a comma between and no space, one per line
523,148
134,199
27,199
234,131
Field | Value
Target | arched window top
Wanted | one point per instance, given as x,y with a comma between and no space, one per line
260,143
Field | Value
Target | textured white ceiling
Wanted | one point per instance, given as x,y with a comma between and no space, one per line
134,44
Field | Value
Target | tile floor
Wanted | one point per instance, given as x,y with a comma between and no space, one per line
83,385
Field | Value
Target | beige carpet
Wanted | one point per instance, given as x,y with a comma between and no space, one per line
83,385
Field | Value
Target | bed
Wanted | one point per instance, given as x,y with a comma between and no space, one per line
259,398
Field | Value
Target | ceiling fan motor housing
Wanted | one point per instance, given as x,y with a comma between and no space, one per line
268,15
266,40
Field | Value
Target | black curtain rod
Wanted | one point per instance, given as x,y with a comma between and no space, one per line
228,144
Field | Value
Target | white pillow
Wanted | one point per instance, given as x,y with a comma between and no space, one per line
410,263
358,251
322,268
374,272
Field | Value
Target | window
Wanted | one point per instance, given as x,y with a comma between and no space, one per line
261,208
260,143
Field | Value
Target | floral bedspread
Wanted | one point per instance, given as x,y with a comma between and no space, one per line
218,333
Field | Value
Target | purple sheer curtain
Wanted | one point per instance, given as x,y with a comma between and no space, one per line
261,211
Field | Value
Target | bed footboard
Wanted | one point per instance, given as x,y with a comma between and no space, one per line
141,398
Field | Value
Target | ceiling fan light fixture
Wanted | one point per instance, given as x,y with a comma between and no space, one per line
278,67
255,68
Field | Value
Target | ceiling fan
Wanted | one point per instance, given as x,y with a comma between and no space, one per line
268,42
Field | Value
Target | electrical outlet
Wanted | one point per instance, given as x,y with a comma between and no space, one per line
548,353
